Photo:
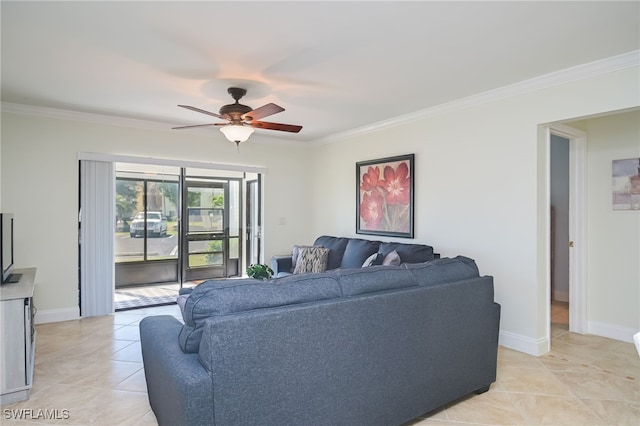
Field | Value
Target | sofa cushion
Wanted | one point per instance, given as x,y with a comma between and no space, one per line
312,259
409,253
438,271
336,245
374,279
357,251
222,297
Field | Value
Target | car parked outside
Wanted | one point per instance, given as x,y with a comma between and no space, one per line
156,225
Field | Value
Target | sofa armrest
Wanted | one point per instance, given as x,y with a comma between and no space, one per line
281,264
179,388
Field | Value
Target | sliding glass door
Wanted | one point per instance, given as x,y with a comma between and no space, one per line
212,228
253,220
184,224
147,229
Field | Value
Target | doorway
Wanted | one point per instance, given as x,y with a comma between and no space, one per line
180,226
559,233
212,243
567,223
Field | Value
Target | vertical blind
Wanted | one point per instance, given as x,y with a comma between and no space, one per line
97,226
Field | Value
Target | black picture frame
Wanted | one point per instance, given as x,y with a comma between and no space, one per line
385,196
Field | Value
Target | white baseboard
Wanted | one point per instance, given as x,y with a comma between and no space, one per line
537,347
56,315
612,331
518,342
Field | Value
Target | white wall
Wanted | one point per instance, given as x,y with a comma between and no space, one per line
480,180
613,251
481,176
40,186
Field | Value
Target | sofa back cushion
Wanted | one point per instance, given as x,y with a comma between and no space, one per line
443,270
374,279
409,253
223,297
357,251
336,246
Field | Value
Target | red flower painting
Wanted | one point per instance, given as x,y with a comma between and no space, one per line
385,202
397,184
371,209
371,179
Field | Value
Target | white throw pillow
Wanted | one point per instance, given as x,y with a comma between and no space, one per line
392,259
374,259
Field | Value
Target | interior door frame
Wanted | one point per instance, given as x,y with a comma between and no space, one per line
577,226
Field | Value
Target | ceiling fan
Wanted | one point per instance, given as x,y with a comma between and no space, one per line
242,119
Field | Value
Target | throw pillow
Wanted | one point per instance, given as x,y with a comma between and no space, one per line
295,253
312,259
392,259
374,259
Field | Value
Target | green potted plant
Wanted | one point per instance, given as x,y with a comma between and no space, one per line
260,271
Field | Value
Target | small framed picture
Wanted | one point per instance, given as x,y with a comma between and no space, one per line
626,184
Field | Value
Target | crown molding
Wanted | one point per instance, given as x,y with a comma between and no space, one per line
118,121
568,75
85,117
556,78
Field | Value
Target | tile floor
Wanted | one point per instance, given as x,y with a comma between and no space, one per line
93,369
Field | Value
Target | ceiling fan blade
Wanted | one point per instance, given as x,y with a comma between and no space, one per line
276,126
263,111
194,125
213,114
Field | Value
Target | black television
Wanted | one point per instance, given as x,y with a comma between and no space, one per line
6,249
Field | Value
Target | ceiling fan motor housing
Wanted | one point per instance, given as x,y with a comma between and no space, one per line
234,112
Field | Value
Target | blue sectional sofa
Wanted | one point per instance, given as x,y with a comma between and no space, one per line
369,346
352,253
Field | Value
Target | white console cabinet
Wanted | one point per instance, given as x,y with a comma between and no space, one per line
18,337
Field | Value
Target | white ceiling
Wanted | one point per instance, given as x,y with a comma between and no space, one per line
334,66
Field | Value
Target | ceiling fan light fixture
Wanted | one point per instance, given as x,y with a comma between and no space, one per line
237,132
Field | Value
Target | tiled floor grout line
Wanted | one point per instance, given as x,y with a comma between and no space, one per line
509,396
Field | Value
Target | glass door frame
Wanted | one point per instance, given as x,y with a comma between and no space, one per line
253,220
147,271
230,266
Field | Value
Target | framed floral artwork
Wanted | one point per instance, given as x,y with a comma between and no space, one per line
384,191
